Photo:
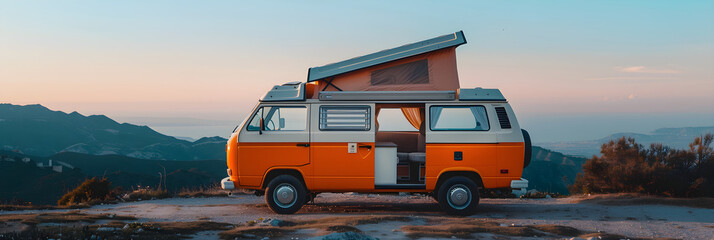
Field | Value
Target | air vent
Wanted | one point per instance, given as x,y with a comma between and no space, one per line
503,117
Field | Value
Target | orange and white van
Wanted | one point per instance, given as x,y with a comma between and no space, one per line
303,139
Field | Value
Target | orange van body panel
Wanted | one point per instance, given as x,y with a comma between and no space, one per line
510,157
336,170
328,166
487,160
232,157
254,159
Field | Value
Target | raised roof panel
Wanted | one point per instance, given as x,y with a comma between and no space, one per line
413,49
292,91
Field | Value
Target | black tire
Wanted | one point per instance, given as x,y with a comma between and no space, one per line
287,183
529,148
458,183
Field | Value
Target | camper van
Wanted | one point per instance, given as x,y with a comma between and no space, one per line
324,135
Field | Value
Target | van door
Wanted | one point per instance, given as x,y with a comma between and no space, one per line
276,135
343,146
459,137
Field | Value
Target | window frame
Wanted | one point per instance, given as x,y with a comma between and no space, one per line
368,121
488,122
279,106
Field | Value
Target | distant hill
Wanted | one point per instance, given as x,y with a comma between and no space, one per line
37,130
26,181
672,137
552,171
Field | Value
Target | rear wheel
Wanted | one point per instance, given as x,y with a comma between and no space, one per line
458,195
285,194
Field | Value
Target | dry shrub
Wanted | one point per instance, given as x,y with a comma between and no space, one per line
626,166
146,194
92,189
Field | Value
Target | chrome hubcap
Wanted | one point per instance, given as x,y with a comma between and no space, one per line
459,196
284,195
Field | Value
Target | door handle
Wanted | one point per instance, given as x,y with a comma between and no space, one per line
365,146
303,144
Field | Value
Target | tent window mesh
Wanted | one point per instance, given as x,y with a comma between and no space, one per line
409,73
345,118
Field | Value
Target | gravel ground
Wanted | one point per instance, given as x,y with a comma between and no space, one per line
646,221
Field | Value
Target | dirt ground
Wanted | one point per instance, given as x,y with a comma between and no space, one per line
407,216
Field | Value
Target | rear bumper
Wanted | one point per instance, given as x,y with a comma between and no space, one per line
523,183
227,184
519,186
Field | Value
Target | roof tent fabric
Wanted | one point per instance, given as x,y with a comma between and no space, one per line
431,71
426,65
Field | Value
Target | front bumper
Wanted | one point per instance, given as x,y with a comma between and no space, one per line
519,187
227,184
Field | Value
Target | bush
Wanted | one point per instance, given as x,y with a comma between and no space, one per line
626,166
92,189
145,194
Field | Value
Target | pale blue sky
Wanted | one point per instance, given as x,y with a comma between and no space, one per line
571,69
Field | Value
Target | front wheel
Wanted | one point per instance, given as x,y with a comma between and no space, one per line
285,194
458,195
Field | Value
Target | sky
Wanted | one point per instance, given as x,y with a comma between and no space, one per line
572,70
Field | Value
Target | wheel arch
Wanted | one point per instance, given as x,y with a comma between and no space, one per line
274,172
468,173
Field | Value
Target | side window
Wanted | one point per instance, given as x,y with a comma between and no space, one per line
458,118
345,118
254,124
283,118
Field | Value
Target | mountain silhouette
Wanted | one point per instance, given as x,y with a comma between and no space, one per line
37,130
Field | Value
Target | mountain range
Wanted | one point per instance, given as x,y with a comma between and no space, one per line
39,131
672,137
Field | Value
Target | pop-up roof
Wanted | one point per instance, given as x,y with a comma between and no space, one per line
422,66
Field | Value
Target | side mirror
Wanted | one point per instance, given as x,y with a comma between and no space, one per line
282,123
262,126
